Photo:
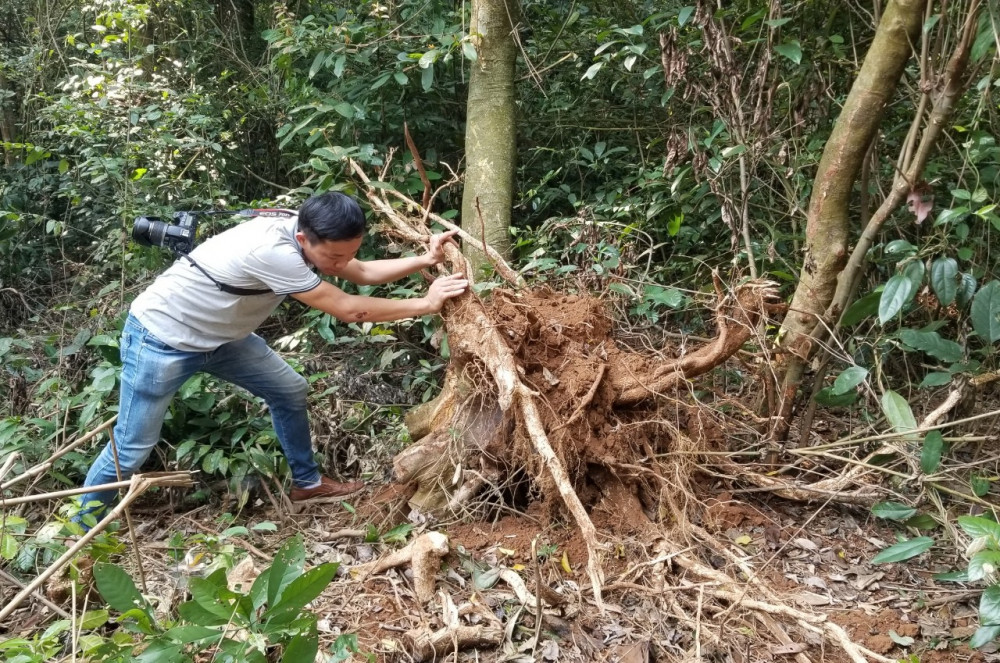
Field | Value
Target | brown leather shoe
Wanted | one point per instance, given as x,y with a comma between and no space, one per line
327,491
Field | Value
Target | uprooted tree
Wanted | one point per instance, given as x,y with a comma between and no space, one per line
538,390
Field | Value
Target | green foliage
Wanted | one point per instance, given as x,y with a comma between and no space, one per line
983,554
271,614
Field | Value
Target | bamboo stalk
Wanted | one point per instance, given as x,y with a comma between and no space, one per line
13,501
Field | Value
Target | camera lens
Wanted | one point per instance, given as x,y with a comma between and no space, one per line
149,232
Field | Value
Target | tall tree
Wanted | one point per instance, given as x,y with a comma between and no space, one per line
490,134
831,273
828,225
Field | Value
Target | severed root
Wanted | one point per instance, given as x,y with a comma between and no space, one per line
424,644
423,554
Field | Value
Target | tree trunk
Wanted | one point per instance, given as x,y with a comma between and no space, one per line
7,131
490,132
828,223
236,20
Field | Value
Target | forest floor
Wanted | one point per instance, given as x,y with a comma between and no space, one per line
698,564
817,558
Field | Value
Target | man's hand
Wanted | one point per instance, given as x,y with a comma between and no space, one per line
444,288
435,251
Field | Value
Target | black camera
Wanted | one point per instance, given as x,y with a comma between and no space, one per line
176,235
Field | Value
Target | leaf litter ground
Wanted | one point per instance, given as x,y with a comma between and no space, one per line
815,558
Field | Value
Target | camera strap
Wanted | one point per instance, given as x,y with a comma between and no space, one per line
232,290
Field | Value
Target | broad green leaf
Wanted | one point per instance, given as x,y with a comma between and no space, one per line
938,379
791,50
286,567
301,648
921,521
117,587
469,51
190,633
160,651
828,398
980,485
733,151
317,63
301,591
849,379
345,109
944,279
989,606
900,246
986,312
592,70
930,454
401,78
427,78
428,58
984,564
966,288
904,550
914,271
893,511
218,601
861,309
898,413
684,15
984,635
932,343
952,576
897,292
977,526
8,546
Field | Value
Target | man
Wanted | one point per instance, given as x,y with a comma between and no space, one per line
200,314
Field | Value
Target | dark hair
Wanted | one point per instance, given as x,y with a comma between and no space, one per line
331,216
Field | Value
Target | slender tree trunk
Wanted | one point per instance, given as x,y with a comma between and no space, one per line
490,133
828,223
8,132
236,19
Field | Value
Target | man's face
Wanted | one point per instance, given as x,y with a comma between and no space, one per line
329,256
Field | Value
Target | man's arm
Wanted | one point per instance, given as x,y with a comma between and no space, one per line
377,272
357,308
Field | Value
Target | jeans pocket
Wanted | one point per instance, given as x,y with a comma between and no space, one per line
150,341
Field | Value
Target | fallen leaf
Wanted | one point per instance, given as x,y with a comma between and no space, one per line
806,544
565,564
744,540
808,598
919,204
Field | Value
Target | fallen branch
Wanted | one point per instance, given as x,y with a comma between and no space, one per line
139,484
424,644
46,464
37,595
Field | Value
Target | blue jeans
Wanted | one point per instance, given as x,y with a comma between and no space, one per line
152,372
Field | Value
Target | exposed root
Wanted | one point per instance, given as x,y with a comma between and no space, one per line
423,554
424,644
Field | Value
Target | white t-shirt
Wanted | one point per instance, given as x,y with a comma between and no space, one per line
185,310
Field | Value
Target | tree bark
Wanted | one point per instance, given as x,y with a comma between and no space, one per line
236,20
490,130
8,132
828,223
